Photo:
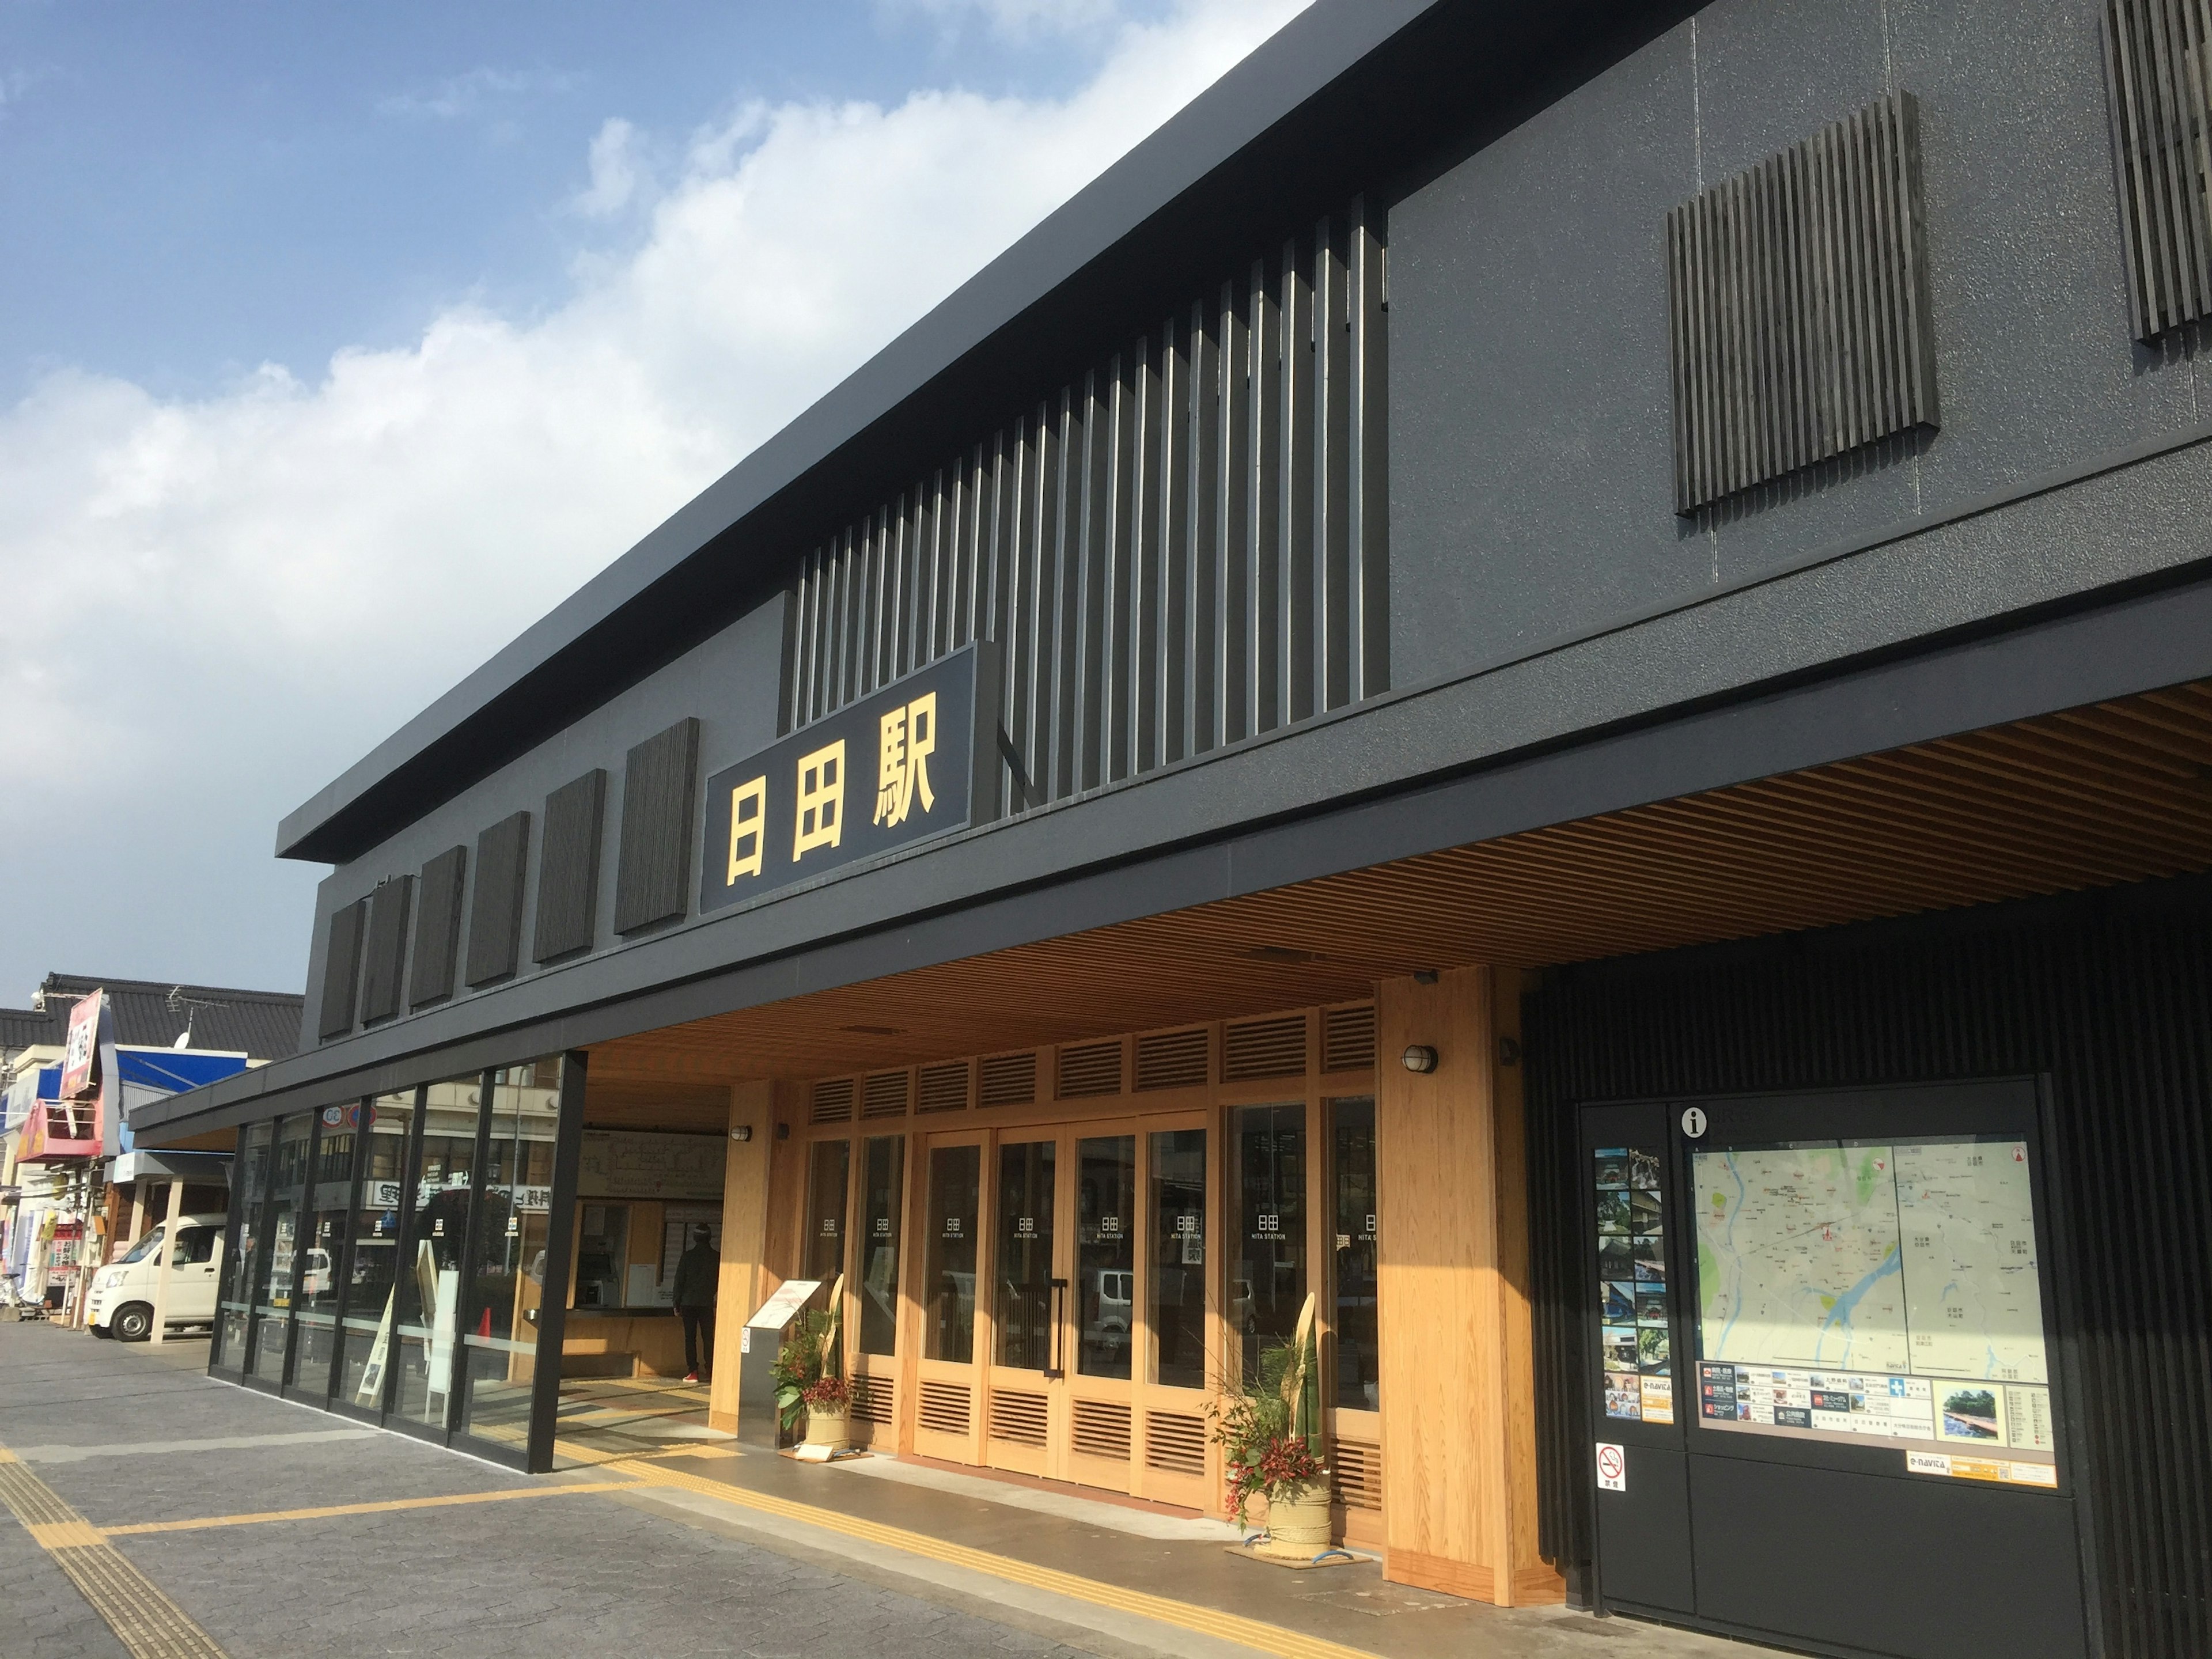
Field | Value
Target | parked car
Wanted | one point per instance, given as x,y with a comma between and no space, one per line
122,1304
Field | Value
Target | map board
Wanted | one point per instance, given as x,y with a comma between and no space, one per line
1847,1291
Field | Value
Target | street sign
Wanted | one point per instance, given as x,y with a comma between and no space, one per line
1612,1467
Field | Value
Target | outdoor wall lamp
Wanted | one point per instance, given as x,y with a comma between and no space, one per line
1419,1057
742,1132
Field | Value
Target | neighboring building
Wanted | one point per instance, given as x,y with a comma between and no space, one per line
64,1163
1545,674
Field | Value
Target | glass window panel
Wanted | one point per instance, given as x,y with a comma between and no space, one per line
281,1218
370,1271
1106,1250
329,1220
882,1185
828,1167
1023,1308
238,1273
508,1277
1352,1128
956,1175
430,1255
1268,1276
1177,1299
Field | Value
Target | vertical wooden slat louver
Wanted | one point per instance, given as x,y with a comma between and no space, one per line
1183,546
1007,1079
2158,76
832,1102
885,1094
1264,1048
1798,307
943,1088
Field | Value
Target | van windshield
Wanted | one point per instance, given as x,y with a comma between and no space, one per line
149,1245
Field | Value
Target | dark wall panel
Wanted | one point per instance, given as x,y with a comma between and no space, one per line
568,867
438,930
342,969
653,882
495,912
388,908
2109,996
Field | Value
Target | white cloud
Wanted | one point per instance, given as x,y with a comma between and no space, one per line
461,97
216,605
1015,20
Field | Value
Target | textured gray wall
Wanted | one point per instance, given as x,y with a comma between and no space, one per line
1531,485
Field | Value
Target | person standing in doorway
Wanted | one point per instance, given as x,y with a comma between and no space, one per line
698,1279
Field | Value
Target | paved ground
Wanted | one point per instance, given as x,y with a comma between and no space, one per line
128,1478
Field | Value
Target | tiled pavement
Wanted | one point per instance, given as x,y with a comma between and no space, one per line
546,1576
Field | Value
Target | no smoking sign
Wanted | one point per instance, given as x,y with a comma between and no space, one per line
1612,1467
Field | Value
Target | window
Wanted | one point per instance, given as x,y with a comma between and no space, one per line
369,1273
273,1292
955,1184
829,1170
1106,1244
1267,1287
1177,1292
507,1272
881,1212
1351,1130
431,1255
1028,1172
195,1245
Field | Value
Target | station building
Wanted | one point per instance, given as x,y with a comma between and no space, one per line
1547,674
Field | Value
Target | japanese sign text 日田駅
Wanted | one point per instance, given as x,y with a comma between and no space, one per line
899,766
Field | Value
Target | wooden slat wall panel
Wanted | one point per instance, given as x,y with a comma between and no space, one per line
1798,302
496,904
2157,74
568,867
438,929
2114,793
652,876
1184,546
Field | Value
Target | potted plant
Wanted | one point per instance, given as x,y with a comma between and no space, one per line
1270,1438
809,1375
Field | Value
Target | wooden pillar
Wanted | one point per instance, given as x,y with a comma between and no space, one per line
1458,1386
745,1238
164,1273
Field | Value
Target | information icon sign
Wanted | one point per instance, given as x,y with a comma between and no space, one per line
1693,1122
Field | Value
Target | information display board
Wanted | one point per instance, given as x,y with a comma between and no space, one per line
1634,1325
1850,1290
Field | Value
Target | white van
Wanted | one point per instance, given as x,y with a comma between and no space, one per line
123,1294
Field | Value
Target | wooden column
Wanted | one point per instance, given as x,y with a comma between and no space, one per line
745,1239
1458,1387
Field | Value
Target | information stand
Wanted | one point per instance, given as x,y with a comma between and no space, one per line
760,1342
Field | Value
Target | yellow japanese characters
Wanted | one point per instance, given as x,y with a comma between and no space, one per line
909,739
748,829
821,799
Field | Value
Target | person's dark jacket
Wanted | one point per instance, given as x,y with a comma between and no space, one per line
698,1276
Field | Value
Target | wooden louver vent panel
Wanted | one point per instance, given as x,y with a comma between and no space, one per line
1102,1429
885,1094
2158,73
1095,1068
875,1400
1175,1444
1357,1473
1265,1048
1007,1080
1172,1060
1347,1039
945,1088
944,1407
833,1102
1798,306
1020,1417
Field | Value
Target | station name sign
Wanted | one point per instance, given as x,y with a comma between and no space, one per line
917,760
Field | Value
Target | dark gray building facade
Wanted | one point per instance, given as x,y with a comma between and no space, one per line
1696,519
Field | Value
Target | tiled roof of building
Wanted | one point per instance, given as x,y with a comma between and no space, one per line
262,1024
26,1028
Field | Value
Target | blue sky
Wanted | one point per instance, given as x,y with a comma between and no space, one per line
339,342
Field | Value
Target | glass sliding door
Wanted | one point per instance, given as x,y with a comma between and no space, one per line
1175,1299
431,1255
949,1301
1022,1275
281,1218
883,1181
1266,1228
829,1178
507,1276
1352,1166
1106,1254
371,1270
328,1221
234,1309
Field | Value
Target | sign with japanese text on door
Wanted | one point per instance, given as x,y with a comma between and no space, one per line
914,760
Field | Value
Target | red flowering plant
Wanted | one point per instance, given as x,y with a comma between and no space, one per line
810,1366
1269,1431
827,1396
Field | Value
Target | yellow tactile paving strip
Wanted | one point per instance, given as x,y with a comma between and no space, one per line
387,1507
1184,1615
144,1620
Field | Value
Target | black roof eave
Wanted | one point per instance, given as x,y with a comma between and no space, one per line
462,735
